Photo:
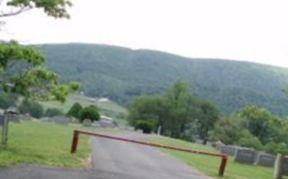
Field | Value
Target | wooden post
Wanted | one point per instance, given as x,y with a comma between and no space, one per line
5,131
278,167
75,141
222,166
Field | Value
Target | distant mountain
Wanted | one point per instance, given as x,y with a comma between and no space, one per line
121,73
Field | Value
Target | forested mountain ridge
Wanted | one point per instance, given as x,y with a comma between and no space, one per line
122,73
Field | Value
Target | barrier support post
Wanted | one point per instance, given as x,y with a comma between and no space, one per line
222,166
75,141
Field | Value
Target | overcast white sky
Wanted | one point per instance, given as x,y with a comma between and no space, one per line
250,30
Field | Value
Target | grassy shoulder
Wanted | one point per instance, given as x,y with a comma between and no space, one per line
35,142
209,165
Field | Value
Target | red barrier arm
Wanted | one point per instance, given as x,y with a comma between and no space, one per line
77,132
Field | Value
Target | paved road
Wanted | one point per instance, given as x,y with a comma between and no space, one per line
113,160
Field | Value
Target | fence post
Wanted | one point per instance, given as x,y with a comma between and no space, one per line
223,166
278,167
5,131
74,142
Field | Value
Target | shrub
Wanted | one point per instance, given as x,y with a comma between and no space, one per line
33,108
51,112
146,126
228,130
90,112
7,101
275,148
75,110
251,142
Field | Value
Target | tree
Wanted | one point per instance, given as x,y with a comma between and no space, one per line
21,67
208,114
74,111
22,73
90,112
145,126
54,8
257,121
228,129
149,108
51,112
182,108
172,111
31,107
7,100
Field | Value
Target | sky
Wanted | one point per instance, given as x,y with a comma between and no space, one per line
248,30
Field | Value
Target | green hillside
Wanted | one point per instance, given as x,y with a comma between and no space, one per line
122,73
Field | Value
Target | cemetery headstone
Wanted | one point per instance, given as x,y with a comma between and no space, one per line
1,120
107,123
63,120
87,122
285,166
244,155
228,150
15,118
265,159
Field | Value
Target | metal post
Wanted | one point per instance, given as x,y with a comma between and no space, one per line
74,142
222,166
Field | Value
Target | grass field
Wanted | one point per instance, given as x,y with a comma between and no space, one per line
43,143
209,165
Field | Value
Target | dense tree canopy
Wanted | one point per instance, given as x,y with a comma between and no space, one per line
175,112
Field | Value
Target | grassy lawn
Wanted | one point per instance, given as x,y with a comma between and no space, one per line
210,165
43,143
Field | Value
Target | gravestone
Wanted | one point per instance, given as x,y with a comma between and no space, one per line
285,166
63,120
228,150
15,118
47,119
25,117
218,144
199,141
265,159
244,155
1,120
107,123
139,131
87,122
